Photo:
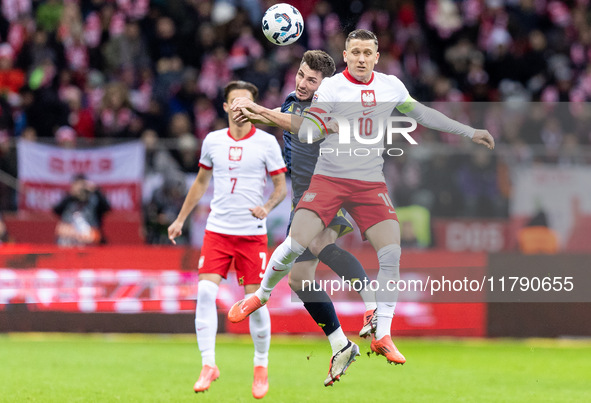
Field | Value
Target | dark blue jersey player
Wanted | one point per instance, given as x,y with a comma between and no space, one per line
300,159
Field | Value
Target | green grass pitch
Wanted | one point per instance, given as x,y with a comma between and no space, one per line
143,368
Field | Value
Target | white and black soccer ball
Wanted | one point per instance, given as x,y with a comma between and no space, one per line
283,24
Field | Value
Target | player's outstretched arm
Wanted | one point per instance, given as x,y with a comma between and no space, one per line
244,115
195,194
485,138
279,193
274,117
436,120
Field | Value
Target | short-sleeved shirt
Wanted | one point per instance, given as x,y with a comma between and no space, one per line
366,106
240,170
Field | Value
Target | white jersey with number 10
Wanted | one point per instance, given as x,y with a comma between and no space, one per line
366,106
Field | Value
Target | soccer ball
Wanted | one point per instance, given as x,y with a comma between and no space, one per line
283,24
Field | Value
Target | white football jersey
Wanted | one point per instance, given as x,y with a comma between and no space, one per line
366,106
240,170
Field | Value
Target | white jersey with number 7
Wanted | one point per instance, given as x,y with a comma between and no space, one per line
240,169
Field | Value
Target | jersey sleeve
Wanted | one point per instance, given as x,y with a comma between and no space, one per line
323,100
273,158
402,96
313,127
205,161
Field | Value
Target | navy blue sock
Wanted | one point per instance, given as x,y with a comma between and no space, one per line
320,308
343,263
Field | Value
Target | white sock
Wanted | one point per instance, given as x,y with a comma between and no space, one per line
279,266
369,298
389,258
206,321
337,340
260,330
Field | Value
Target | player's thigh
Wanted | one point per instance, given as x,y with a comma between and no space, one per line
316,209
216,254
327,237
369,206
214,278
383,233
305,226
250,259
302,273
250,288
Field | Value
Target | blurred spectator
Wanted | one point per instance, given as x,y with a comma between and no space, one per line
180,123
8,165
163,209
165,43
320,25
116,114
80,118
11,78
215,73
94,90
65,137
49,14
39,48
42,110
29,134
205,115
184,98
445,199
81,214
127,50
186,154
477,180
245,50
6,121
199,44
158,159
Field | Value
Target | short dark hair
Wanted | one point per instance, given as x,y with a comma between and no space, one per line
363,35
240,85
321,61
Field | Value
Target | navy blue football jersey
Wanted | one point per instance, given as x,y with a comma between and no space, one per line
300,158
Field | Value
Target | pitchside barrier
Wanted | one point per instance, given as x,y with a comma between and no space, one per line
153,289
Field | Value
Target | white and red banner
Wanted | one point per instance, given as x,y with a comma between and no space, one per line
45,173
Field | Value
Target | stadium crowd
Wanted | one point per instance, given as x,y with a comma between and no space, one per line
97,71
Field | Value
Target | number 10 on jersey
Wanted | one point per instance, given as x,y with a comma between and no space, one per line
365,127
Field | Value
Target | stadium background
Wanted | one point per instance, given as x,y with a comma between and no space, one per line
148,75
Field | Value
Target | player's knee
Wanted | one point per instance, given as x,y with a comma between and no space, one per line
298,281
295,283
389,259
325,238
